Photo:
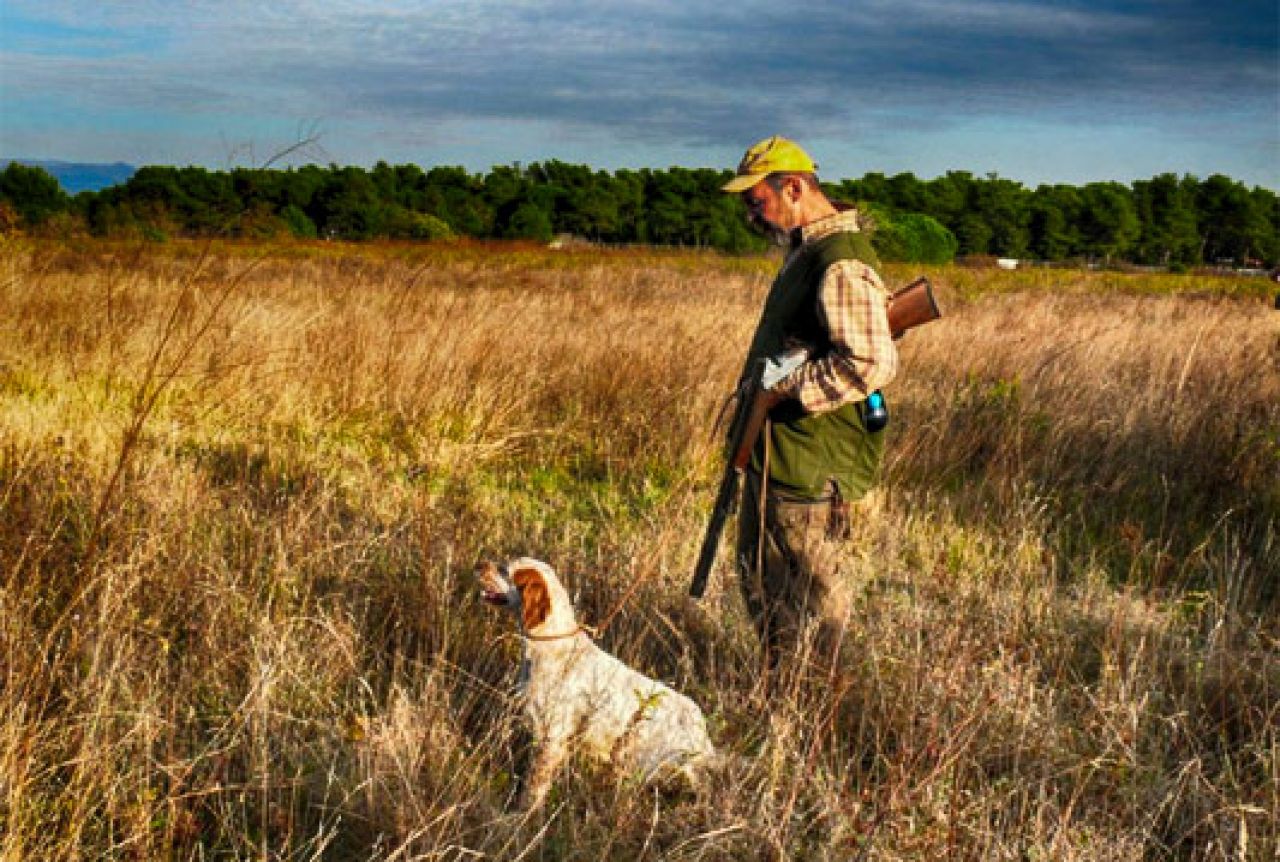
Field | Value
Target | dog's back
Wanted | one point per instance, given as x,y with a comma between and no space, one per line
616,712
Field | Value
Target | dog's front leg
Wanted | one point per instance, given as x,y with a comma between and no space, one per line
548,756
521,757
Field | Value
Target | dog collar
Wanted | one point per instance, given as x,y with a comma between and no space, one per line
579,630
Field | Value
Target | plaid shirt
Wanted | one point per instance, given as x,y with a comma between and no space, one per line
853,304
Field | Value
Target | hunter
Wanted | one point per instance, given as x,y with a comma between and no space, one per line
817,455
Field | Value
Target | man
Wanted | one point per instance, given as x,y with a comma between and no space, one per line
817,455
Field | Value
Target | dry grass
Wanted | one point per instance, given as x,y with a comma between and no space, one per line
241,490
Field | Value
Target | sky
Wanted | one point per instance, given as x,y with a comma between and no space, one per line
1040,91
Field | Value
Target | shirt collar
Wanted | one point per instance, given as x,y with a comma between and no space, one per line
841,222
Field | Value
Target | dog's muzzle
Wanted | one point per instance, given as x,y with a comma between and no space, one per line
493,588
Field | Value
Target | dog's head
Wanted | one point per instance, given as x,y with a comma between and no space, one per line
528,587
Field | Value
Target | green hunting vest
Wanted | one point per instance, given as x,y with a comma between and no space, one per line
809,450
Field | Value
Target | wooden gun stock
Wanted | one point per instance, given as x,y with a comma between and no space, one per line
740,457
912,306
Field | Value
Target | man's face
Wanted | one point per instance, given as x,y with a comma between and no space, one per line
767,211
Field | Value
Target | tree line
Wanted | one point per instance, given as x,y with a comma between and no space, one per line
1167,220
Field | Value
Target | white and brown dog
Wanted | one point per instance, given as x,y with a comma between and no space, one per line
577,697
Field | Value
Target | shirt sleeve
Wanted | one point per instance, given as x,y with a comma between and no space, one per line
853,303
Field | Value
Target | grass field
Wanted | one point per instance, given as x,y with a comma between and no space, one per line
242,489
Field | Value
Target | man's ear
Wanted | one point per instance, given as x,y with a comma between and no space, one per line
535,598
793,189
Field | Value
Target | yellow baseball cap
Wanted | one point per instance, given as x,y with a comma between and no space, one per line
769,156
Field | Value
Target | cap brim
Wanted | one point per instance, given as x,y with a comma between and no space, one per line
741,183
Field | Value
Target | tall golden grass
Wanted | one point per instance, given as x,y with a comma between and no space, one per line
242,488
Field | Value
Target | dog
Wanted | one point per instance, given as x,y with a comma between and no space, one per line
579,698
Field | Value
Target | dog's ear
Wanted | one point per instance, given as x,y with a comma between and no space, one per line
535,599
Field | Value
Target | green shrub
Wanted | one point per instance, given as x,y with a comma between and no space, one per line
299,224
911,237
32,191
529,221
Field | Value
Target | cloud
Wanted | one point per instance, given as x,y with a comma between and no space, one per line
690,74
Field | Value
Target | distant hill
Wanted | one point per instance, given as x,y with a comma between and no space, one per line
79,177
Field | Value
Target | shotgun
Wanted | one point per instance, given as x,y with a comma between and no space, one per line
910,307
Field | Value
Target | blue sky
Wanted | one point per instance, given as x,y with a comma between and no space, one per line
1036,90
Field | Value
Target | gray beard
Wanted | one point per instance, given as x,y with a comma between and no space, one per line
774,234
